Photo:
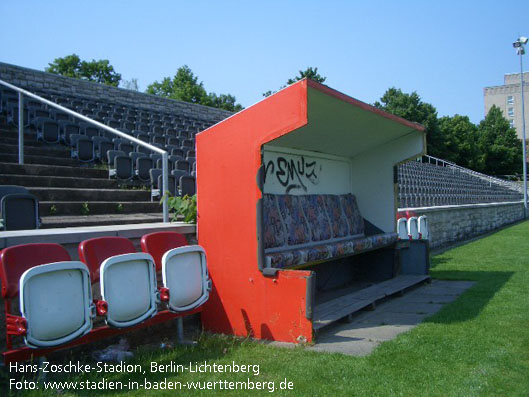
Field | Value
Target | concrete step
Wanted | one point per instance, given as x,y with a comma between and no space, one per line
52,170
49,222
66,194
45,160
98,207
58,181
12,133
51,151
27,141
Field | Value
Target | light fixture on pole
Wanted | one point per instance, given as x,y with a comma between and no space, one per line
520,50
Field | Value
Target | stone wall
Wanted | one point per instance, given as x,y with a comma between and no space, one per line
451,224
32,80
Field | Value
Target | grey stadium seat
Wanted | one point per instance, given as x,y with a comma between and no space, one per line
111,154
19,209
123,167
47,130
187,185
173,184
143,166
84,149
182,165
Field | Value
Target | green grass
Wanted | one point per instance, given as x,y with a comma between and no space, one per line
477,345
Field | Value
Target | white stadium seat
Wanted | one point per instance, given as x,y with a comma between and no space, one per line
56,301
128,285
413,231
402,229
185,274
424,231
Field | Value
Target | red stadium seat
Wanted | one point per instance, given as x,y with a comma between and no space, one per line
94,251
113,260
17,259
157,244
14,261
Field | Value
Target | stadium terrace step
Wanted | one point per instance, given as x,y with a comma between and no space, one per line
75,193
58,181
12,133
98,207
49,222
66,194
52,170
45,160
27,142
52,151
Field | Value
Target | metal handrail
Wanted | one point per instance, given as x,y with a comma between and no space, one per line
22,92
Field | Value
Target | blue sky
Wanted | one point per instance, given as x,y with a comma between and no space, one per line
447,51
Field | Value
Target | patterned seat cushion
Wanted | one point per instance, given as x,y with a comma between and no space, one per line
333,208
274,230
316,215
295,223
352,214
282,260
311,228
298,257
341,248
380,240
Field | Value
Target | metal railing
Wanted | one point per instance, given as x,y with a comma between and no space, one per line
488,178
22,93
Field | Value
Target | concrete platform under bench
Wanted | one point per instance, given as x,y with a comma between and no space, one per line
394,316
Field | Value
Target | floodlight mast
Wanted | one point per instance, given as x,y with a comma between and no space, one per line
520,50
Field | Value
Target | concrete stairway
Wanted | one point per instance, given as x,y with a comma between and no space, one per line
70,193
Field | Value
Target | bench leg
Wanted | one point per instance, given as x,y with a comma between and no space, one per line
42,376
180,333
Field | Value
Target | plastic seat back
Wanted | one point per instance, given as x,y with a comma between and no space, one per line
402,229
423,229
50,132
93,252
413,230
158,243
182,165
56,301
12,189
173,185
185,274
126,147
128,285
124,168
91,131
85,149
154,174
143,166
187,185
103,148
20,212
111,154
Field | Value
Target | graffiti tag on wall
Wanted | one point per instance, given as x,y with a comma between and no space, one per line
293,174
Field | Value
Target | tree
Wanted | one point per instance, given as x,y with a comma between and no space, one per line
184,86
99,71
309,73
223,101
500,151
412,108
460,140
